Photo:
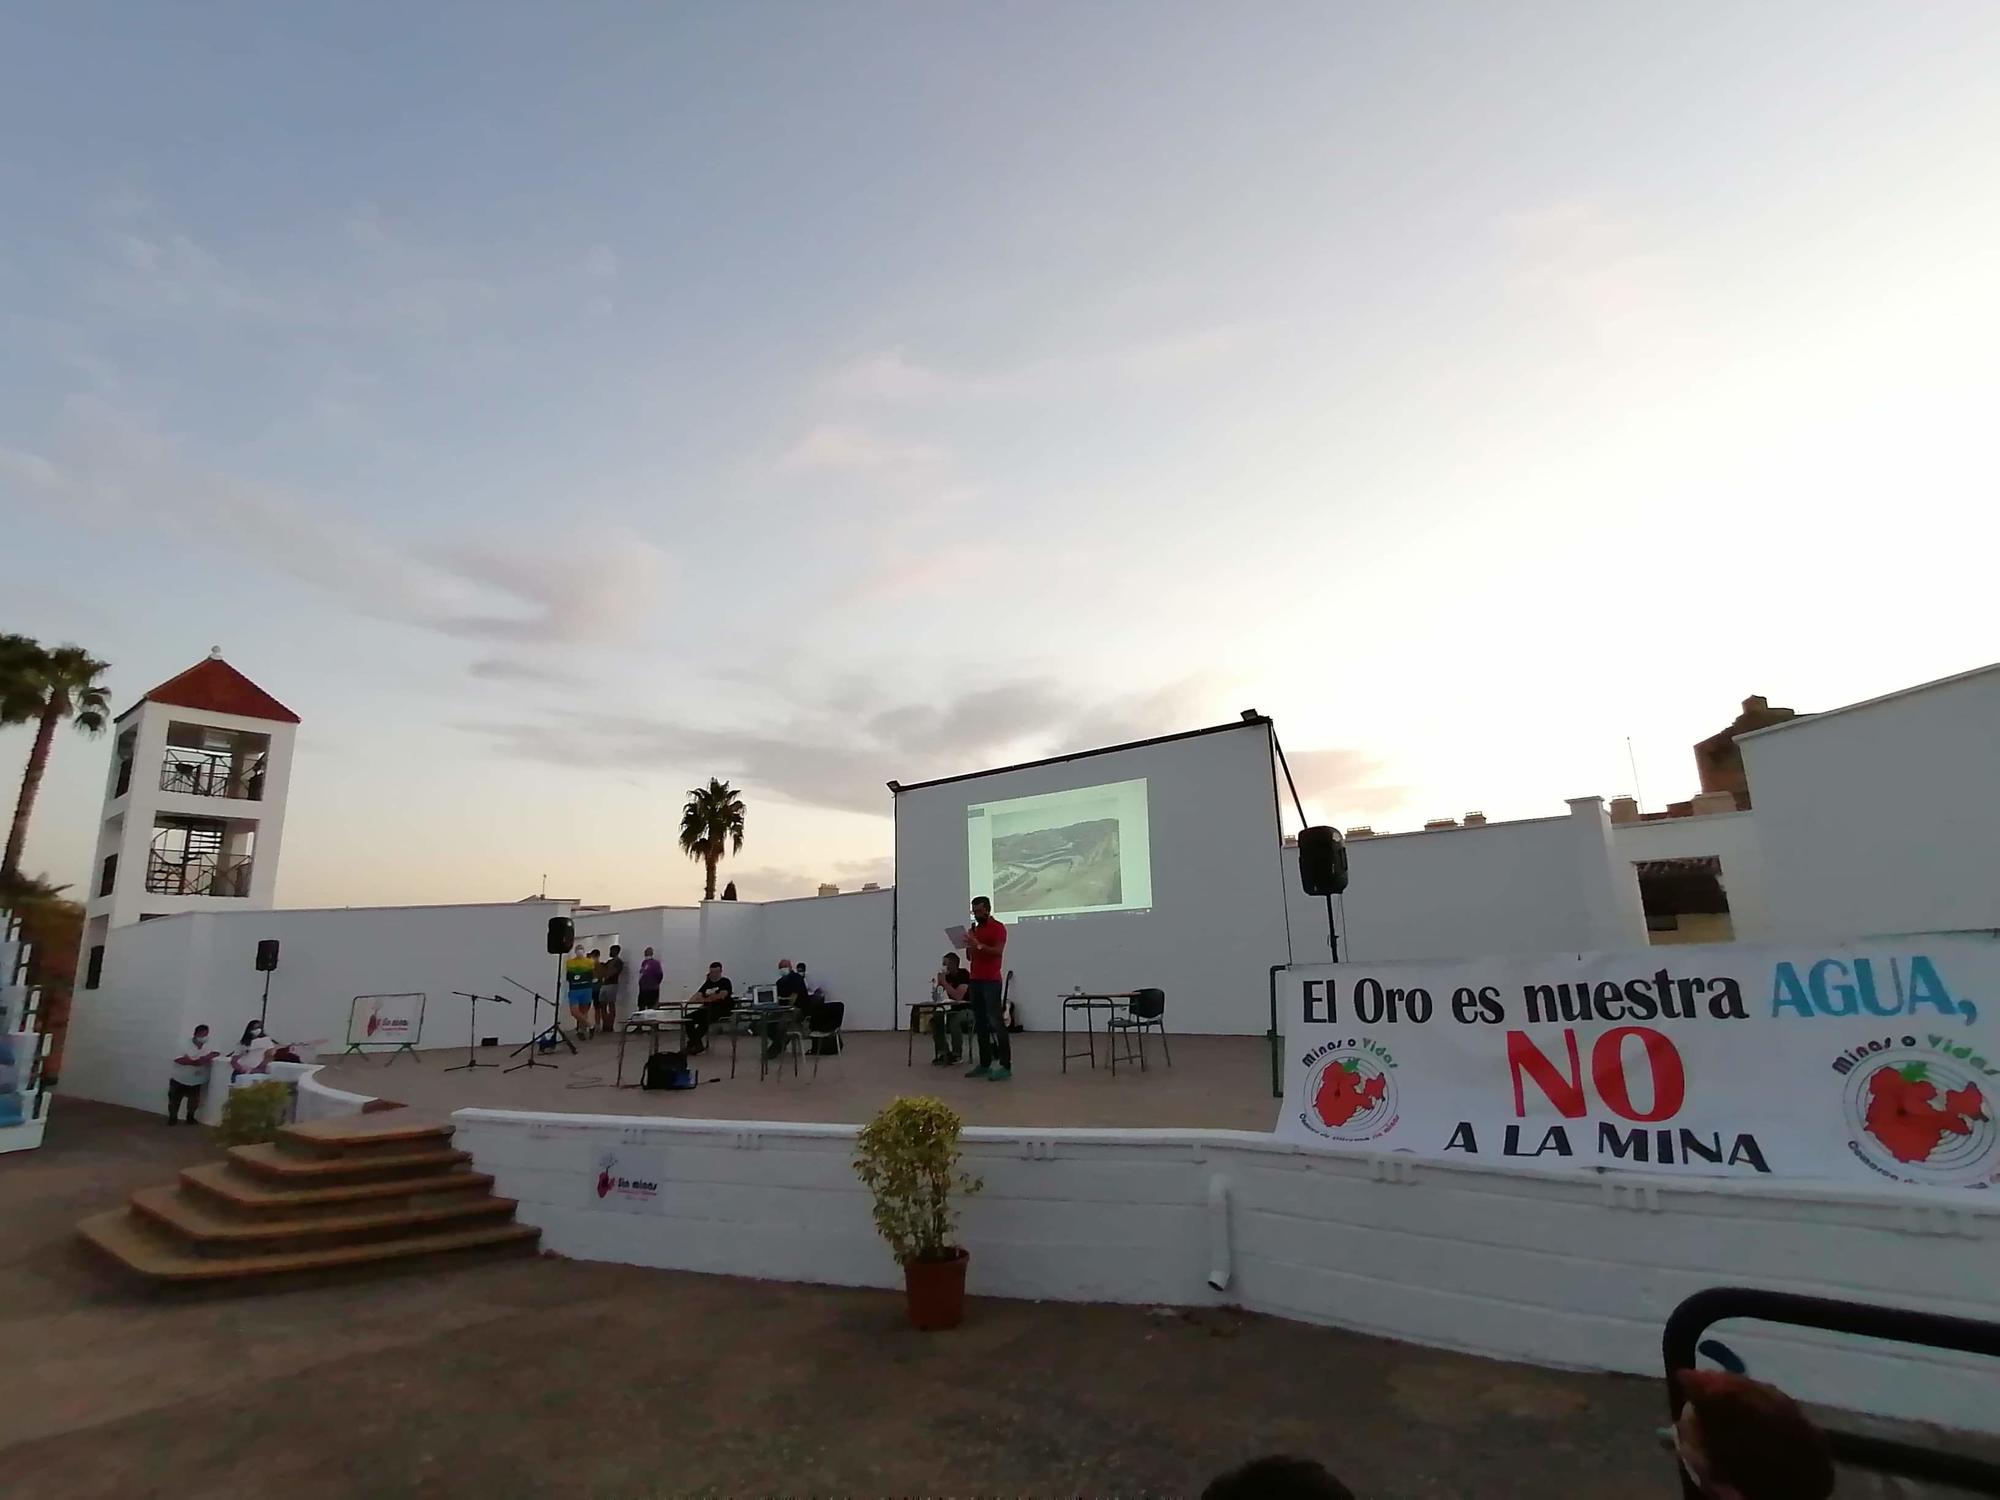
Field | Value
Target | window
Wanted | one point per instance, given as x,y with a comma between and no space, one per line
95,971
110,876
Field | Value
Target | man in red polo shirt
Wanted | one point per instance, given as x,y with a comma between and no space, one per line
985,952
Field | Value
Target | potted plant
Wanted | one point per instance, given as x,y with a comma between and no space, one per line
908,1156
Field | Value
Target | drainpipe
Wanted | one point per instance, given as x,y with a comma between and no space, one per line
1277,1067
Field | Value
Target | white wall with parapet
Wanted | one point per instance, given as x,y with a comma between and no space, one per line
163,977
844,941
1567,1270
1883,817
1540,885
1733,838
731,934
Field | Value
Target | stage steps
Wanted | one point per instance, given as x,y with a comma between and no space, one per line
360,1190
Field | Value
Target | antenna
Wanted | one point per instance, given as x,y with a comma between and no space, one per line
1633,761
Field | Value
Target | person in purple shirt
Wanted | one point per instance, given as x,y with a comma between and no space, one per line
651,976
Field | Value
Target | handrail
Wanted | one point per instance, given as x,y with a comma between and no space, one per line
1686,1324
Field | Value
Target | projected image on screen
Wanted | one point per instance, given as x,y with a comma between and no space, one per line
1063,853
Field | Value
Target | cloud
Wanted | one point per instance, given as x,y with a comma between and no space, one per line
772,883
1343,785
1589,266
505,669
892,376
600,260
115,472
833,448
840,751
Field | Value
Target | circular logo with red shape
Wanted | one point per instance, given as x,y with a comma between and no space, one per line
1924,1117
1350,1093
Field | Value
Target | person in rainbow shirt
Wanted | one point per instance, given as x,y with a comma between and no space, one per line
580,977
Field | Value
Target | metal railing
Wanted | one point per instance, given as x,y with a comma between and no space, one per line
211,773
198,874
1687,1323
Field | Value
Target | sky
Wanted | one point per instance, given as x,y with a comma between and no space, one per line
557,406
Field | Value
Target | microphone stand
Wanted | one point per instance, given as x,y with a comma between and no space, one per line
472,1030
552,1034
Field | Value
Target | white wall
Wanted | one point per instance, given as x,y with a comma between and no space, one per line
1733,838
844,942
1218,917
732,934
162,977
1567,1270
1883,817
1538,886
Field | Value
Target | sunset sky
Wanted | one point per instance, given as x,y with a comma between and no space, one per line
557,405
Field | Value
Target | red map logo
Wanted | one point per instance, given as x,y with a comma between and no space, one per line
1350,1096
1924,1120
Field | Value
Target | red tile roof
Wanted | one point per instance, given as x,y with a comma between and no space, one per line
219,688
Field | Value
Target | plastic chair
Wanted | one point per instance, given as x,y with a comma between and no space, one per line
831,1015
1147,1008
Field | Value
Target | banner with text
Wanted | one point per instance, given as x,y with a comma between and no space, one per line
1873,1062
385,1021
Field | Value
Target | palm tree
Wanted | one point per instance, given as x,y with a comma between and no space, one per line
45,687
713,817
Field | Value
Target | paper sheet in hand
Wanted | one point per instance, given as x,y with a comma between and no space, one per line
957,936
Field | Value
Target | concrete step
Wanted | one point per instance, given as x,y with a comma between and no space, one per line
148,1250
230,1187
208,1232
395,1132
273,1164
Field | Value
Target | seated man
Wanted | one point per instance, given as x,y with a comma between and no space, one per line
950,1027
715,999
789,990
820,1013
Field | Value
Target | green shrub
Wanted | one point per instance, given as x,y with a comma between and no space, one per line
252,1114
908,1156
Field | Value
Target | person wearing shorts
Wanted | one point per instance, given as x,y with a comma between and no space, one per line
580,980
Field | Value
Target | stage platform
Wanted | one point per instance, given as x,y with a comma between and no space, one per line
1217,1082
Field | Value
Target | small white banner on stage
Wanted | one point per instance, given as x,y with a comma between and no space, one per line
385,1020
1867,1063
628,1179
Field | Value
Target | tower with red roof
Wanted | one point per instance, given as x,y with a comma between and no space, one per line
194,804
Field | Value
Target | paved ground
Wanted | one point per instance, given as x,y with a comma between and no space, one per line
1222,1082
545,1378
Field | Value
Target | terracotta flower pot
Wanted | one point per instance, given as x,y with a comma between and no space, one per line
936,1292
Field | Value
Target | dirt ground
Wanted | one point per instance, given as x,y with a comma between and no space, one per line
544,1377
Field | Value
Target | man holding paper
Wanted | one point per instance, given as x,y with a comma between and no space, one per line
985,952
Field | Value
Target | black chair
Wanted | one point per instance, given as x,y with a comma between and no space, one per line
1147,1008
823,1030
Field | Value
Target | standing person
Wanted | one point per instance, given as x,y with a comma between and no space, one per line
651,976
189,1075
580,979
949,1028
610,974
986,948
715,999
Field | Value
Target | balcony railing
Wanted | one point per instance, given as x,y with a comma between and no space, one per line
198,874
211,773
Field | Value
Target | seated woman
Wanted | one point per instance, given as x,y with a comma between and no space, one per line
256,1051
950,1027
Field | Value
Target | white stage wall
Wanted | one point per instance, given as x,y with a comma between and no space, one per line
844,943
164,976
1217,921
1883,817
1552,1269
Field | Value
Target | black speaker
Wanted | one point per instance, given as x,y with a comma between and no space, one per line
562,934
1322,861
267,955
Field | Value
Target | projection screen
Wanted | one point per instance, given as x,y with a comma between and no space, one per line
1153,864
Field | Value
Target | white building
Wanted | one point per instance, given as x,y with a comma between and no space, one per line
194,805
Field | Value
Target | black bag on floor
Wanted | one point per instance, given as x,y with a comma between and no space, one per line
667,1070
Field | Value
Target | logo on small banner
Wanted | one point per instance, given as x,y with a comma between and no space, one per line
1878,1062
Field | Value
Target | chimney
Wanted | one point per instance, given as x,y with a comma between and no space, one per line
1706,803
1624,810
1362,831
871,885
1438,825
829,890
1475,820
